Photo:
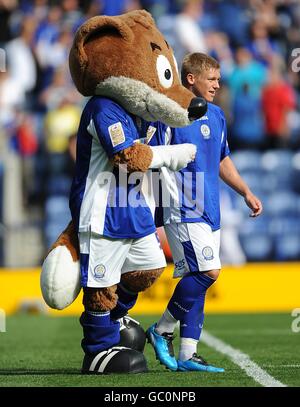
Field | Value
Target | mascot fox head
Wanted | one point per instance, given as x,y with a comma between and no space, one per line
127,59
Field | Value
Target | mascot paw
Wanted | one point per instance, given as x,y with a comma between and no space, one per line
183,155
132,334
60,278
115,360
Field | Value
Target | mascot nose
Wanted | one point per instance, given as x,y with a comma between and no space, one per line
197,108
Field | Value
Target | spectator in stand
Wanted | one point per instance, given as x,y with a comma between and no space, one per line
278,100
47,34
48,29
53,54
249,71
21,58
233,20
260,45
59,88
39,9
7,8
266,12
187,28
245,86
11,99
26,146
248,125
60,124
157,8
71,13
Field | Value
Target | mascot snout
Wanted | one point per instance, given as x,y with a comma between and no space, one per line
197,108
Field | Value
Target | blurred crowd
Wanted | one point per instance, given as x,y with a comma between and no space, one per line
256,41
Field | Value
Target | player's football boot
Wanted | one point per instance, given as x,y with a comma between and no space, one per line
117,359
163,347
197,364
132,334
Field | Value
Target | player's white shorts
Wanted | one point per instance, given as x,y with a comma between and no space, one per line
194,247
104,260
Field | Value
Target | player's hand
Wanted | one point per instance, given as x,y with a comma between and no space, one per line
254,204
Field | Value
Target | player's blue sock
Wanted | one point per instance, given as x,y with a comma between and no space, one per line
99,331
192,322
126,300
190,288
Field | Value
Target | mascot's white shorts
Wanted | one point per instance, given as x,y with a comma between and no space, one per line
103,261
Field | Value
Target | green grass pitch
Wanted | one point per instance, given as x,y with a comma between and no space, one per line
38,350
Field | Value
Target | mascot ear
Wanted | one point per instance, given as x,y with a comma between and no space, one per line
100,35
94,27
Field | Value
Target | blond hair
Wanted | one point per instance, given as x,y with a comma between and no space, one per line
195,64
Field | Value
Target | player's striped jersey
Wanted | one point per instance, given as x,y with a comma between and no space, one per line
105,199
194,191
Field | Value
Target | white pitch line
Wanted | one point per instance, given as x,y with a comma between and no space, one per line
242,360
281,366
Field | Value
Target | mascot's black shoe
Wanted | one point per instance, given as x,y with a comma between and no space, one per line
132,334
115,360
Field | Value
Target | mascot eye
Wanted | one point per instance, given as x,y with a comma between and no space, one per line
164,71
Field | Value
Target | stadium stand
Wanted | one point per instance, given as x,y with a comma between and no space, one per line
57,216
44,102
272,175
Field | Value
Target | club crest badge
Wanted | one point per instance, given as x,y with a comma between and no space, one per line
99,271
208,253
205,130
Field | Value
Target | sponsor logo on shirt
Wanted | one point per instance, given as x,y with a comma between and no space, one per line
150,133
146,140
116,134
205,130
179,269
208,253
180,264
180,307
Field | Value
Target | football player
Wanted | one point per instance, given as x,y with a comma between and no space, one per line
192,221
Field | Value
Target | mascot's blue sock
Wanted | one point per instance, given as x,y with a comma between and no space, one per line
190,289
126,300
99,331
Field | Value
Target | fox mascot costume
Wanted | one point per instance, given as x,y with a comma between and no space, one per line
111,250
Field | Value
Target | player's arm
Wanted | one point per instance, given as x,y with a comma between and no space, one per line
231,177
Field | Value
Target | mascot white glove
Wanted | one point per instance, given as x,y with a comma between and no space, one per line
174,157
